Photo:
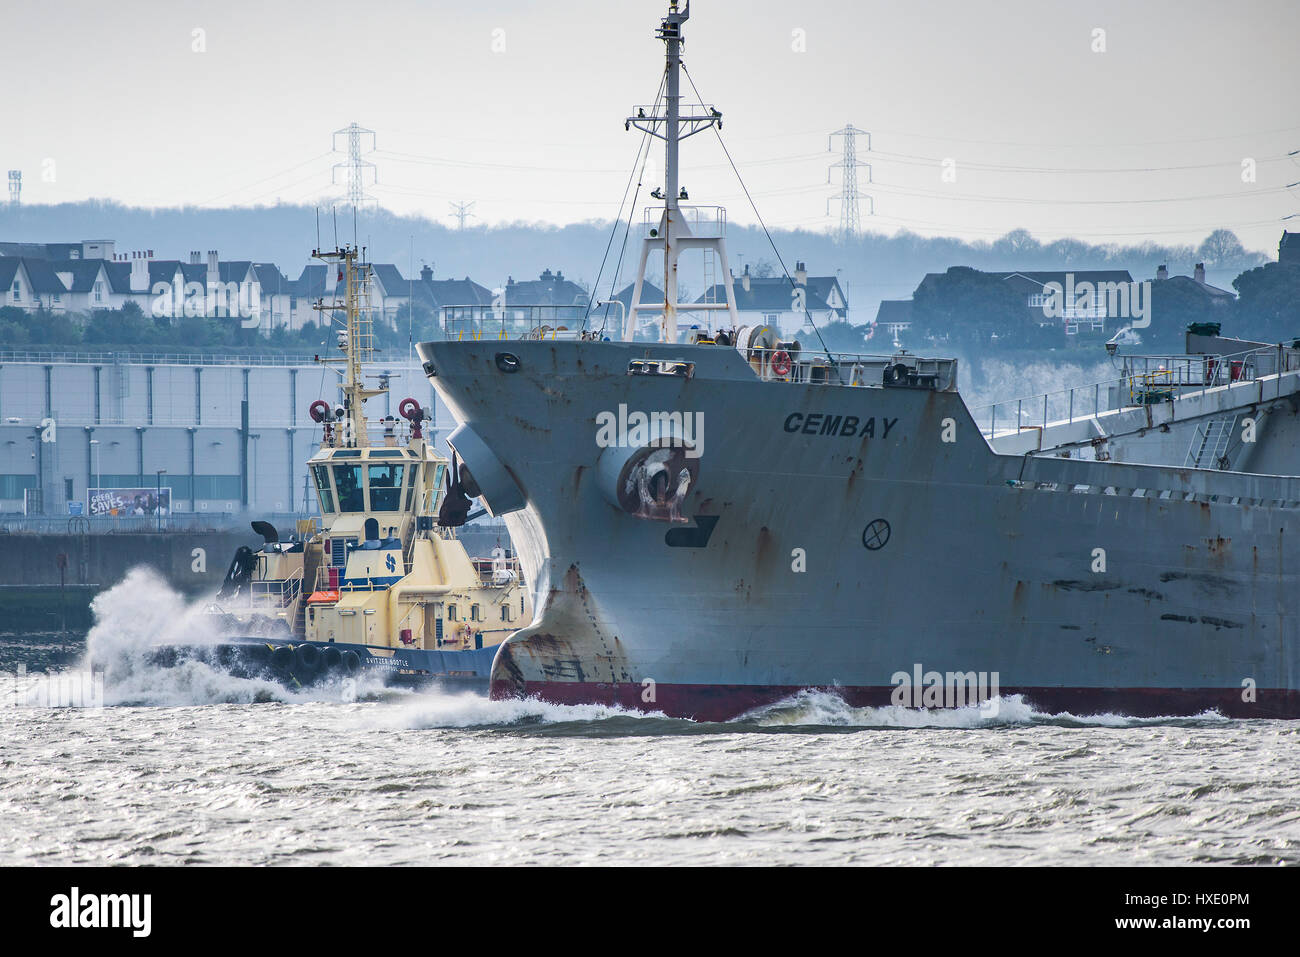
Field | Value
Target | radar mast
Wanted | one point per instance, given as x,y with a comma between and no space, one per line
672,227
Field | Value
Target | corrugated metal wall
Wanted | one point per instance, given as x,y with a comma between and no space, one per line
168,415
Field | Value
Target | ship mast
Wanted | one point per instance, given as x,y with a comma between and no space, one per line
355,341
672,232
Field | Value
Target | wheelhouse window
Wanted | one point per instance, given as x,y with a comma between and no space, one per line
410,485
385,487
347,482
321,474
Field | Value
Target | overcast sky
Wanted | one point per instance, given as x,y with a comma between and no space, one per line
519,107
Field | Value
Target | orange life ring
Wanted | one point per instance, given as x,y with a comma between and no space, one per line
781,363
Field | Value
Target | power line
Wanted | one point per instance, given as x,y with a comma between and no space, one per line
356,167
642,148
1075,233
913,159
759,216
421,159
1023,200
461,212
264,179
848,165
1073,146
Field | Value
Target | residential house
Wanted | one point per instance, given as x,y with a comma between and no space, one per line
649,293
91,284
16,282
894,316
1288,249
277,294
782,302
86,249
390,293
550,299
515,308
1197,285
458,303
1082,301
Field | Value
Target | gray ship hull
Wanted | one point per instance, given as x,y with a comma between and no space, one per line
812,554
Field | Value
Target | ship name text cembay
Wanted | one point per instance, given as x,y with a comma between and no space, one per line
845,426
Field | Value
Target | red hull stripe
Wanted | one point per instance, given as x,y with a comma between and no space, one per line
723,702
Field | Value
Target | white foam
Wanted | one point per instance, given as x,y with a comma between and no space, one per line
437,709
141,612
827,709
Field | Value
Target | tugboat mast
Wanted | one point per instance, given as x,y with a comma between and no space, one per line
673,233
355,341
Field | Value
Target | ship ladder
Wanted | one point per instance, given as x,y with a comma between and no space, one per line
1210,443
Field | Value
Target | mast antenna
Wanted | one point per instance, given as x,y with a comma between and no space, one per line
677,228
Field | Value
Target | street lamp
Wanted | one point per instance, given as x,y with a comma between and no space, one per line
157,511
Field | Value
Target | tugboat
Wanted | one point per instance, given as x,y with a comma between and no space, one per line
383,586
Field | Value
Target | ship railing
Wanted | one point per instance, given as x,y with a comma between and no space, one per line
57,357
323,582
498,571
704,222
796,365
510,320
176,522
377,436
277,592
1143,380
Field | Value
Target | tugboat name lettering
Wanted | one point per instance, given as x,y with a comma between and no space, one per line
845,426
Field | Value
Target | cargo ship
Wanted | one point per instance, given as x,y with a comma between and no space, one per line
716,523
383,586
